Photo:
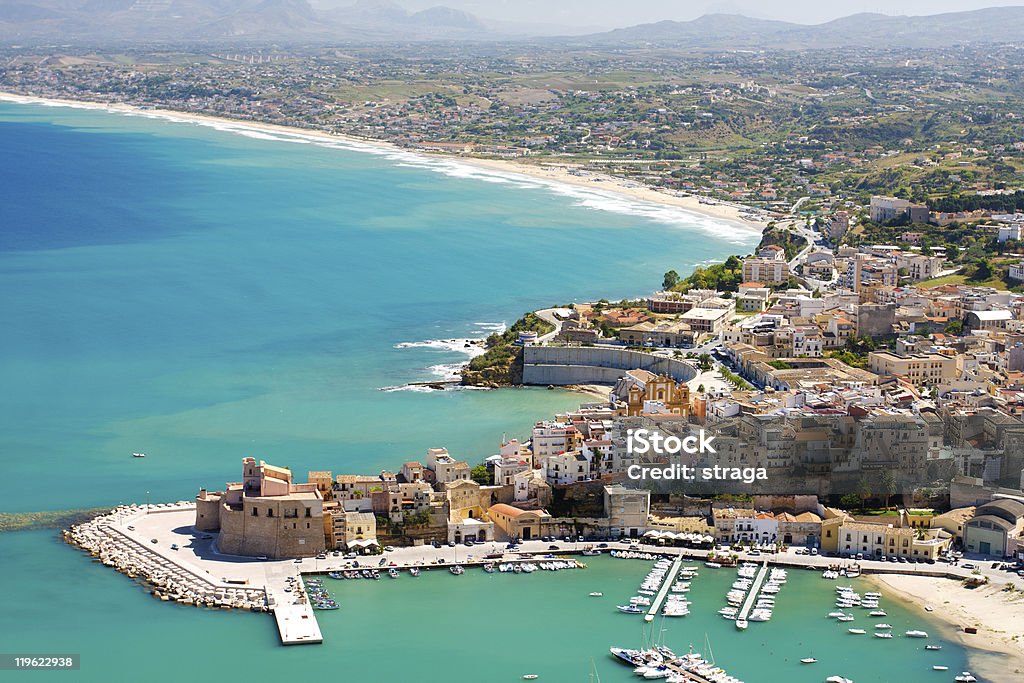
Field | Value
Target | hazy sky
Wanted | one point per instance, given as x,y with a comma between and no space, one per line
617,13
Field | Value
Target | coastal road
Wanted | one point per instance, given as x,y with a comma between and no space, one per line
548,315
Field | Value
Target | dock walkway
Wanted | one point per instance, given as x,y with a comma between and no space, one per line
670,578
754,590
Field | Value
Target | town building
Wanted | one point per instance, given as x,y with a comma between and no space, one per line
264,515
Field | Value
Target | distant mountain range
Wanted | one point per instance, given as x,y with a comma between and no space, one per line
992,25
34,21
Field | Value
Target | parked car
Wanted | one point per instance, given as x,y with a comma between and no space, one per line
350,556
389,549
814,551
553,547
436,543
174,546
451,544
969,565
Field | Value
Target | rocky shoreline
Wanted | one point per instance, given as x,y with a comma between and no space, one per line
164,579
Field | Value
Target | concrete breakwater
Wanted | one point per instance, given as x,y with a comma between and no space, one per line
103,537
563,365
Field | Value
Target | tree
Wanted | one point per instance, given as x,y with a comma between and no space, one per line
983,270
671,280
863,492
955,327
481,475
889,486
704,362
733,262
849,500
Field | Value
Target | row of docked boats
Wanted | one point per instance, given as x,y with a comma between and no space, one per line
649,587
661,663
318,595
633,555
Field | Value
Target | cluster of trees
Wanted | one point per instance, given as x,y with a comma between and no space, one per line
725,277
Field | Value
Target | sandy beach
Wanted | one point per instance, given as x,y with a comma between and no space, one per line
552,172
997,650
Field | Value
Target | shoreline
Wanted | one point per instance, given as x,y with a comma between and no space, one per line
996,655
557,173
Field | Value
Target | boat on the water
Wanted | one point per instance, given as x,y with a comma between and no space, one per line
883,634
856,631
965,677
939,667
837,679
138,455
629,609
457,570
808,660
916,634
393,573
530,677
596,594
414,571
933,647
741,624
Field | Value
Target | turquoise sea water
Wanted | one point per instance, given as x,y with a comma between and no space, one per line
439,628
204,295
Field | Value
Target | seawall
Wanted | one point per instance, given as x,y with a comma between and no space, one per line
561,365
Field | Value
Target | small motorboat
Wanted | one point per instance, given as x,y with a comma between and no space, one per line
596,594
933,647
857,631
741,624
489,567
457,570
530,677
916,634
929,608
837,679
965,677
138,455
884,634
393,573
882,627
939,667
878,613
629,609
808,660
414,571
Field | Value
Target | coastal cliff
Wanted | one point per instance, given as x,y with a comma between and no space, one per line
502,364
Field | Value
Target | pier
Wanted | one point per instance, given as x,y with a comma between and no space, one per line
754,590
670,578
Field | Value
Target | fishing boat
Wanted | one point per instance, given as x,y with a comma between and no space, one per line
808,660
393,573
916,634
933,647
965,677
457,570
629,609
414,571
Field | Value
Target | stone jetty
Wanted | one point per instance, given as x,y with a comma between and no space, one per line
104,538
